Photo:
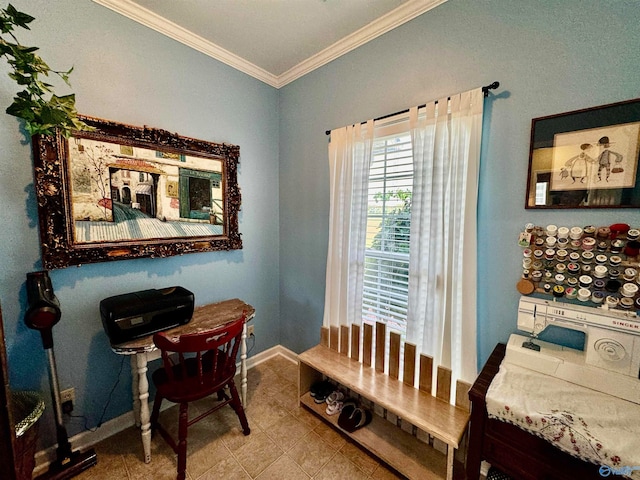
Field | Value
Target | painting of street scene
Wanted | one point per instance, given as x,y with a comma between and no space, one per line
122,192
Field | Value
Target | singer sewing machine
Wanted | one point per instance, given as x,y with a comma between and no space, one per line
610,361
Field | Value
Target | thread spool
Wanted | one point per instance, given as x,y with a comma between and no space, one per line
551,230
598,297
575,233
632,249
584,294
563,232
603,233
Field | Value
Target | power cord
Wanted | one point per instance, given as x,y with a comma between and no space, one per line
253,337
106,405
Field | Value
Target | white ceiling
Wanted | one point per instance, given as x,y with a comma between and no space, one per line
275,41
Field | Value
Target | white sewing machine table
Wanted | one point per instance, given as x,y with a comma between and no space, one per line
144,350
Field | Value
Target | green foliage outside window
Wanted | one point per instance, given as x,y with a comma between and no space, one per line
393,235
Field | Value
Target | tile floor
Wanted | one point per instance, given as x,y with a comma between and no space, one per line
286,441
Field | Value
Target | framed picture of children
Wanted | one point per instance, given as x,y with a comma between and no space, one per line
586,158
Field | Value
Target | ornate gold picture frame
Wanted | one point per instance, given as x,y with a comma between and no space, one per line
123,192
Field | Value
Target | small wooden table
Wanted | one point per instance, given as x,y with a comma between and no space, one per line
143,350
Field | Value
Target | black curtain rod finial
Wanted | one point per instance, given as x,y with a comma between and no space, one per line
492,86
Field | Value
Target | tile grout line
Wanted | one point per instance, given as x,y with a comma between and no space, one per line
285,401
126,467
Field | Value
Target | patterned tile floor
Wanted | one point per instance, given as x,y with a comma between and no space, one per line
286,441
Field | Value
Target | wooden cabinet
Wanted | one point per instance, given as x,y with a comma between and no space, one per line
510,449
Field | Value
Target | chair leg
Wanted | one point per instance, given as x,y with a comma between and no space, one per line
156,412
236,404
182,441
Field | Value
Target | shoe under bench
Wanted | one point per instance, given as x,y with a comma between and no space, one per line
401,450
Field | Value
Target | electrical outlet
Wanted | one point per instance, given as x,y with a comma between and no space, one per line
250,329
67,398
68,395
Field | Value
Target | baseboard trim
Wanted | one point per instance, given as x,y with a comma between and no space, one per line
271,353
88,439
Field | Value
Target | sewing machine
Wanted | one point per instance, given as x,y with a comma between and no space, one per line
610,361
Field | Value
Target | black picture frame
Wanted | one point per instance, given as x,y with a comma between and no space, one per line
585,158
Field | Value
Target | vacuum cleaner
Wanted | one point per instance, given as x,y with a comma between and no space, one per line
43,312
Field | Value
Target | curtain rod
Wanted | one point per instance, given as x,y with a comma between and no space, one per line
485,90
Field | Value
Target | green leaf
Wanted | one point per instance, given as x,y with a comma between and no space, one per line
28,69
24,95
66,103
5,48
21,110
80,125
5,25
19,18
53,116
29,49
65,75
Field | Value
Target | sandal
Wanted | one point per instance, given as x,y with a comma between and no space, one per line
352,420
365,418
348,408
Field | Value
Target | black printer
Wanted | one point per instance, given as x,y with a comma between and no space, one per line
138,314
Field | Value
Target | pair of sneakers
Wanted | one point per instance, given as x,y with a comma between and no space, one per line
335,401
321,390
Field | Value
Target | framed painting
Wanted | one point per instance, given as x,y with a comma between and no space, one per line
122,192
586,158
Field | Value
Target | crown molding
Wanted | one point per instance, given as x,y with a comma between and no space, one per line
400,15
161,25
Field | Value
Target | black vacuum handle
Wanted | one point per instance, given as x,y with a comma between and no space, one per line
43,309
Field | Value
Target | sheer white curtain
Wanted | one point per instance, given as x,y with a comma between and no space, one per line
349,160
442,286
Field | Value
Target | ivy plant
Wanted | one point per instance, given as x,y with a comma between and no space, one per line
41,109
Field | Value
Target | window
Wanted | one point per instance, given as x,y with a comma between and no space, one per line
386,273
422,163
542,188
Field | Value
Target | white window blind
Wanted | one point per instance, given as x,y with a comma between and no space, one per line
386,274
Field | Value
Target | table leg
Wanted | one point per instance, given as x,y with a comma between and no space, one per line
135,390
143,399
243,366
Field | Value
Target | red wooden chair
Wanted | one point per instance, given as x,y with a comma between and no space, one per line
206,364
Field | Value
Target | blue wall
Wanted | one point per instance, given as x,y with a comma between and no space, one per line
549,56
131,74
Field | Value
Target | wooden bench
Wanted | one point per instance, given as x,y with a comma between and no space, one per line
414,432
